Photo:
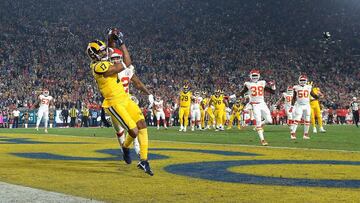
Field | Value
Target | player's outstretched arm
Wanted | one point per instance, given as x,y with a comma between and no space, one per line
139,85
270,87
127,58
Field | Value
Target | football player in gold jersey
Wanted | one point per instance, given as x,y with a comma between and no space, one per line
117,103
208,112
316,111
218,101
184,109
236,113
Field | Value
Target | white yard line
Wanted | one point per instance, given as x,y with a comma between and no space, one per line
16,193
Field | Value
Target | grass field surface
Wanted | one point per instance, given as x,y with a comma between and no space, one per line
200,166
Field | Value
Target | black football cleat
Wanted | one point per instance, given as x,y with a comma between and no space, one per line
126,155
144,165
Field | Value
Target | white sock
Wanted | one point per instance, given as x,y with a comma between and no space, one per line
306,128
294,127
26,125
260,132
136,146
46,123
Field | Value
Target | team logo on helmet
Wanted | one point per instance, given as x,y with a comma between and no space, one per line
96,50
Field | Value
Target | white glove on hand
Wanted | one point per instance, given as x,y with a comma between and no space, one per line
151,99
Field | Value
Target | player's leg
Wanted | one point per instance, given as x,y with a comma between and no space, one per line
289,115
298,111
223,111
136,114
162,116
46,120
192,120
186,117
122,117
157,114
202,118
198,118
181,118
312,118
120,131
137,146
40,115
319,118
307,112
238,117
231,120
259,129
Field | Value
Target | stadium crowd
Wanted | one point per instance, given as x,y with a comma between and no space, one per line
210,44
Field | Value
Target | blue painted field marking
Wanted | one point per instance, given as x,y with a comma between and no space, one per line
218,171
115,156
9,140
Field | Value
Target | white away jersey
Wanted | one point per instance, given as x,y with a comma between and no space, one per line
287,98
45,101
302,94
125,77
256,90
159,105
196,103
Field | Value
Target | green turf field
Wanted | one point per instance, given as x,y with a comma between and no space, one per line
200,166
337,137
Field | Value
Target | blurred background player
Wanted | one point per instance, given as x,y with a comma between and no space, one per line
159,112
256,89
315,110
236,111
43,112
184,110
354,107
195,111
287,97
301,103
208,112
219,102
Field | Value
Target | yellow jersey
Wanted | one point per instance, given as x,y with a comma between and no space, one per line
218,102
110,87
205,103
185,99
237,108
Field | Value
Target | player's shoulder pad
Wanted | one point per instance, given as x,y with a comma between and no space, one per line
102,67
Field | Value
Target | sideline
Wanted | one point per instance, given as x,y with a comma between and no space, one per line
17,193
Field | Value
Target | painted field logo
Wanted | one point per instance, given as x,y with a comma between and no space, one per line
218,171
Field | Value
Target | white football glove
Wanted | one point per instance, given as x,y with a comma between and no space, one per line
151,99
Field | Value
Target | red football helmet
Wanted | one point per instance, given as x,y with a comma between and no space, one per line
254,75
303,80
290,90
46,92
116,56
